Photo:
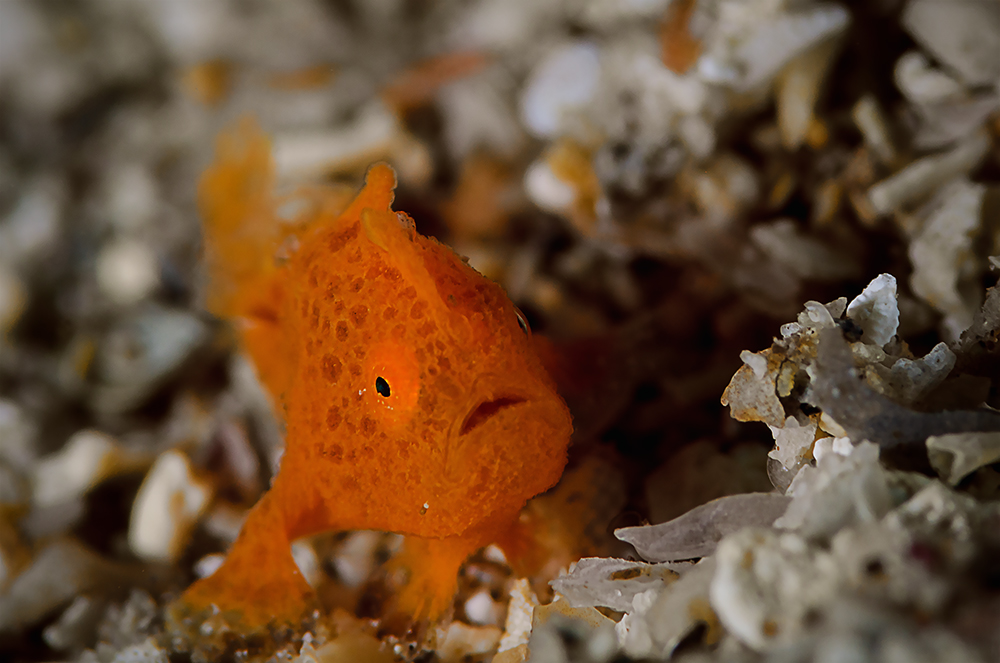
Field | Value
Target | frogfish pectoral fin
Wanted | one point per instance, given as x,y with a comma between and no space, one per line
258,583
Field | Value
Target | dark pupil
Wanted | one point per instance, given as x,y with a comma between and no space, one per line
382,387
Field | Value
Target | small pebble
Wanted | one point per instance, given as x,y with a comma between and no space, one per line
169,502
559,85
88,458
127,271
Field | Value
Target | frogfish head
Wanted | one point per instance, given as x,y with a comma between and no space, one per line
423,380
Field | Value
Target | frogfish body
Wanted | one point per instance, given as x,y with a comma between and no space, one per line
412,395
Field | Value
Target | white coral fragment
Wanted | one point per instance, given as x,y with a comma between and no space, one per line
751,393
832,445
942,254
611,583
88,458
911,379
792,443
169,502
957,455
839,491
559,86
658,621
962,34
767,583
875,310
924,176
754,42
923,84
520,612
797,89
697,533
806,257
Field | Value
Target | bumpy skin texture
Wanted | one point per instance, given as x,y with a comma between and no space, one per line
333,309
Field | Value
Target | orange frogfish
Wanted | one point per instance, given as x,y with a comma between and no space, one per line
412,395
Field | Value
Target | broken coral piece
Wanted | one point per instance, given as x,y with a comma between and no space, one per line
875,310
955,456
964,35
61,571
660,620
943,257
88,458
697,533
864,414
926,175
612,583
839,491
170,501
751,395
793,443
768,585
520,613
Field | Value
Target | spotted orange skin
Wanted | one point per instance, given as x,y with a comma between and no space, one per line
471,428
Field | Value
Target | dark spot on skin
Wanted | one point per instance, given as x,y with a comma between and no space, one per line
367,426
357,284
417,311
382,387
358,315
341,331
389,313
339,241
333,418
355,256
332,368
355,370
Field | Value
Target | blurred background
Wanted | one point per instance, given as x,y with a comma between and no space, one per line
668,180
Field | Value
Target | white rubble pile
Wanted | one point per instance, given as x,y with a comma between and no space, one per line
780,589
639,117
789,367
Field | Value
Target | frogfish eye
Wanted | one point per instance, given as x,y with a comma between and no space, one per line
382,387
522,321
